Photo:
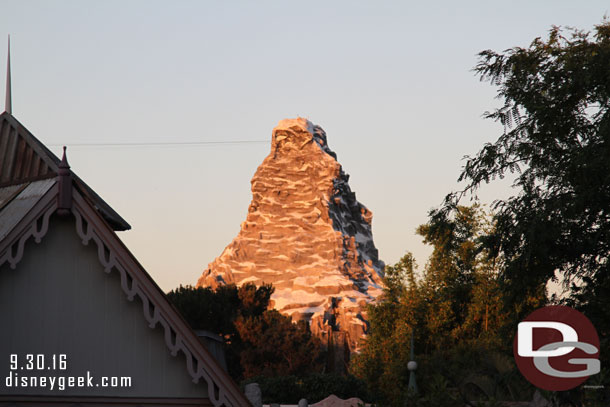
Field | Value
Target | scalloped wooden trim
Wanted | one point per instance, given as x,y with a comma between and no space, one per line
174,341
37,229
88,223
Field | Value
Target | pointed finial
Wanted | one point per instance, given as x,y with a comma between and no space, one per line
7,103
64,179
64,161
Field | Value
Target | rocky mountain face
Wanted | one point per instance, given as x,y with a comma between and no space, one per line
307,235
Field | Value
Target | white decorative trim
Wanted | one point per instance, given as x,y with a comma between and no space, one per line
174,341
14,253
90,227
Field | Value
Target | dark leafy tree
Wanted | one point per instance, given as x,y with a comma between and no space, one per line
555,114
455,311
258,341
275,346
382,362
204,308
217,310
451,272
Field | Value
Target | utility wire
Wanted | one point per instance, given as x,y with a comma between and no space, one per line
178,143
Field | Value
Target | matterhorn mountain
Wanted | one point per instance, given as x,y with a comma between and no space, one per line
306,234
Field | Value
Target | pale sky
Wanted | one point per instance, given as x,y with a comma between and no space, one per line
390,82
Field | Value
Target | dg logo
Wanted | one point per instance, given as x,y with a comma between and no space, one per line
556,348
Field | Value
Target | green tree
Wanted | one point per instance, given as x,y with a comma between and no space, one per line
456,313
382,362
555,114
217,310
204,308
450,273
258,341
275,346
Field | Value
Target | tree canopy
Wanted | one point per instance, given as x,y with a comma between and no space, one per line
486,274
555,141
258,341
456,313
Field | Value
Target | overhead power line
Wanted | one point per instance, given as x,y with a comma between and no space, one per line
171,143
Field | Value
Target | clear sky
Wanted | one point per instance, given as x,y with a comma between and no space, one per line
389,81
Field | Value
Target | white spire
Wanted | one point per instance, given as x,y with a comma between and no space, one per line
7,103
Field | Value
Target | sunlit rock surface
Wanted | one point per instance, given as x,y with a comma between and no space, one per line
307,235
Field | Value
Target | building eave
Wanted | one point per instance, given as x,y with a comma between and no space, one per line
135,282
51,162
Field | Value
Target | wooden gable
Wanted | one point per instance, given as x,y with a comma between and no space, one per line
23,158
69,286
20,159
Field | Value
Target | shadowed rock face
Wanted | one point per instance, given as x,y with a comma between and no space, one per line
307,235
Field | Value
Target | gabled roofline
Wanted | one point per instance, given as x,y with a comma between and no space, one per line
135,282
52,161
34,224
45,154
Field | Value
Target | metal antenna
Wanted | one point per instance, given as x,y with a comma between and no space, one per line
7,103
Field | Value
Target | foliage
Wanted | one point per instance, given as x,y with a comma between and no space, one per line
597,393
382,363
315,387
460,286
275,346
556,141
484,276
257,341
456,314
215,310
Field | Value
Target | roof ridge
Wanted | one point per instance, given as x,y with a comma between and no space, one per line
24,158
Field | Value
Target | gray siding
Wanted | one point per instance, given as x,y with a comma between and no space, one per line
59,300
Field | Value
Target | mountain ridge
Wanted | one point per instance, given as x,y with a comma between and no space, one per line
306,234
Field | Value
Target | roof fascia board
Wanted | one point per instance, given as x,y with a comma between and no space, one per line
53,161
113,253
34,224
45,154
